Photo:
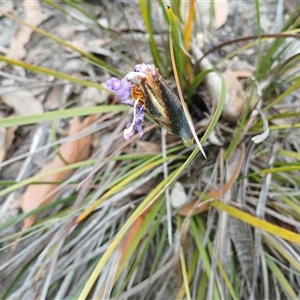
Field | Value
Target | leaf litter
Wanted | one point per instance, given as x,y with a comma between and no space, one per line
34,17
69,152
23,103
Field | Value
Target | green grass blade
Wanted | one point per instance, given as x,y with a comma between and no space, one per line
164,10
258,223
283,252
197,80
151,198
292,88
50,72
40,176
270,57
203,253
60,8
16,279
90,57
217,113
146,11
14,220
155,214
61,114
75,5
177,46
258,33
282,280
240,127
203,284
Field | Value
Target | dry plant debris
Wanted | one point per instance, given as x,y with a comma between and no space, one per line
24,103
196,207
71,152
34,17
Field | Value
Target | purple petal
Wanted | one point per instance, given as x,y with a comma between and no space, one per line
140,113
134,77
137,121
140,130
121,87
128,131
129,102
144,69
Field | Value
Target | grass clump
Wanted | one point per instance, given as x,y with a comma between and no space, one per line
151,218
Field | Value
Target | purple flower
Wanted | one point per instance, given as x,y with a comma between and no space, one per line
144,69
138,119
128,131
129,102
123,89
120,87
140,113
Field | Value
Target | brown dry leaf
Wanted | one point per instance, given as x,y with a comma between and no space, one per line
236,99
34,17
37,195
221,9
23,102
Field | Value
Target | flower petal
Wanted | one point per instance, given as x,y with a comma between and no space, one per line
121,87
140,113
129,102
128,131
